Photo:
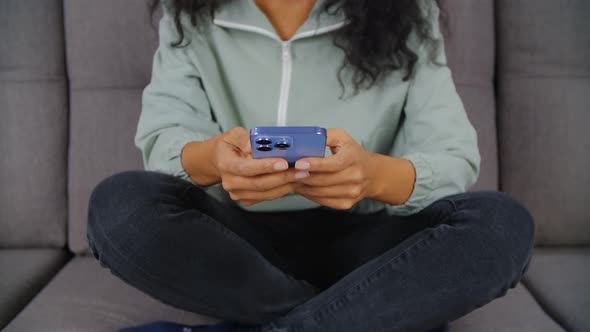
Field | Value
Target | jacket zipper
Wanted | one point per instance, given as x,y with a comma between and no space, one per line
286,56
285,84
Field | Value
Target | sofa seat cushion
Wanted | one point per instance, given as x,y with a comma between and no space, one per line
86,297
23,272
560,280
518,311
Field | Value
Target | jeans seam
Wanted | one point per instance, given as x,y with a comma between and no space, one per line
149,275
322,307
185,191
222,230
230,233
456,209
452,203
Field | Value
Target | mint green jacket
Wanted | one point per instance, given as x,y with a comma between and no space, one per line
236,71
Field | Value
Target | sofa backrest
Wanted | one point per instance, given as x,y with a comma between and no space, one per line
544,113
471,50
110,46
529,57
33,124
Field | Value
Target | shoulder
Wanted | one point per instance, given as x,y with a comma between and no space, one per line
429,7
167,6
431,14
172,20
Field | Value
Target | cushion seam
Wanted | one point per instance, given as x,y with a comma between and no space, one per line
547,308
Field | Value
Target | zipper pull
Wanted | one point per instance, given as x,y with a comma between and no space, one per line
286,50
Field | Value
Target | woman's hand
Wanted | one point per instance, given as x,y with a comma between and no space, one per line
342,179
251,180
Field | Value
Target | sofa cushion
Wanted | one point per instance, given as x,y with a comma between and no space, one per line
560,280
86,297
33,124
23,272
110,47
544,96
516,312
103,122
119,37
470,49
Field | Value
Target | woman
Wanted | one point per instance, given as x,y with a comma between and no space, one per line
379,235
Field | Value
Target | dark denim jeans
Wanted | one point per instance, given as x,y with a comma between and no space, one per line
313,270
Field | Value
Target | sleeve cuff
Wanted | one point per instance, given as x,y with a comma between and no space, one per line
174,164
423,186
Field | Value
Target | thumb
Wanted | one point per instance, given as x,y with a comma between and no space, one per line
335,137
246,147
240,138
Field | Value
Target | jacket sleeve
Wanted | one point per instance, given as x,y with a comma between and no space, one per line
436,134
175,108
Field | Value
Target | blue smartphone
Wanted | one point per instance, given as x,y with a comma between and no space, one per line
290,143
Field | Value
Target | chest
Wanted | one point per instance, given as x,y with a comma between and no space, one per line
253,80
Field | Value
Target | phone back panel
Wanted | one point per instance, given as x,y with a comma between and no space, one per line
290,143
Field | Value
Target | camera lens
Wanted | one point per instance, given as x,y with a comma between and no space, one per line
282,145
263,141
264,148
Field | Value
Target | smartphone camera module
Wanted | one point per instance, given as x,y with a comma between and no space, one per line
282,145
263,141
264,148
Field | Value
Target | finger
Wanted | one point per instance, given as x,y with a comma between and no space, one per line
333,163
264,182
249,202
253,167
349,175
340,191
239,138
335,137
335,203
268,195
247,147
247,166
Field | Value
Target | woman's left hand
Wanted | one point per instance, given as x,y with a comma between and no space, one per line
342,179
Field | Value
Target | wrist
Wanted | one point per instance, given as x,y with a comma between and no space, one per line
198,160
374,187
392,179
212,156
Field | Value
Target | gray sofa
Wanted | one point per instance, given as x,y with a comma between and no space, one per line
71,77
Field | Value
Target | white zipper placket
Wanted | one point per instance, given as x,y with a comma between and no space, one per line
287,61
286,58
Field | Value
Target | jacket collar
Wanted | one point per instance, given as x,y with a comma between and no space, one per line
245,15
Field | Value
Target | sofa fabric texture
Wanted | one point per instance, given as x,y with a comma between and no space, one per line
33,124
119,39
69,303
24,273
85,297
543,101
560,279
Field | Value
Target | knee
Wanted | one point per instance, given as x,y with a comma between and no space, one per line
508,227
509,219
111,201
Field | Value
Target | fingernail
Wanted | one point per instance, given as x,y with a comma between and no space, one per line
301,175
280,166
302,165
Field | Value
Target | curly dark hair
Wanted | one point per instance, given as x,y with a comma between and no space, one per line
375,40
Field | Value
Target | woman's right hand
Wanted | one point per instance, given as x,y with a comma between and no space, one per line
249,180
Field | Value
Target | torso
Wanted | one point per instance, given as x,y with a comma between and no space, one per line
254,76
